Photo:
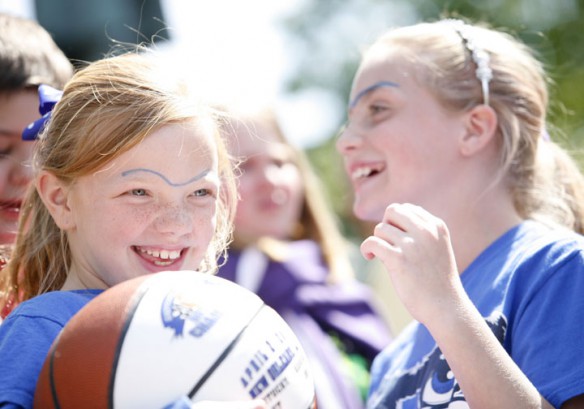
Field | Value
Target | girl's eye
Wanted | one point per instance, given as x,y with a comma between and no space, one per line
4,153
201,192
375,109
280,163
138,192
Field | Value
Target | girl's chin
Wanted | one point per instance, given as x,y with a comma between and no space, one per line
368,213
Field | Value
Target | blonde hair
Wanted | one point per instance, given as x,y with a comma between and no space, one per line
107,108
317,220
441,59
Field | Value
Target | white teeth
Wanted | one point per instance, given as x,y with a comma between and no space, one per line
172,255
361,172
163,254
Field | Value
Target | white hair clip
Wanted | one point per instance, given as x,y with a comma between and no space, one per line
479,55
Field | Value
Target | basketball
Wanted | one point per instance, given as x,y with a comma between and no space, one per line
151,340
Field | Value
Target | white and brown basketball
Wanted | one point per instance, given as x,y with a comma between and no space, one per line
151,340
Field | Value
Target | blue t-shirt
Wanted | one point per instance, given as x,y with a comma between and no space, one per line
529,286
26,336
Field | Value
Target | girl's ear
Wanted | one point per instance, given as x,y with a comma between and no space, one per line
54,193
481,127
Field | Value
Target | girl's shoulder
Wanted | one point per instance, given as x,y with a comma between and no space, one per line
532,241
554,247
58,306
530,255
537,234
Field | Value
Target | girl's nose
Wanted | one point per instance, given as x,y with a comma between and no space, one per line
270,175
174,219
348,139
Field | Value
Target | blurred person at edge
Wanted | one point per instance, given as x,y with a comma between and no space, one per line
288,249
28,57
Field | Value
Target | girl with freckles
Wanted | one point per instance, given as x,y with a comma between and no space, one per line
131,178
479,218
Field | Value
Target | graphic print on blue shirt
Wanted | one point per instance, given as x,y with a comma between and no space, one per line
430,384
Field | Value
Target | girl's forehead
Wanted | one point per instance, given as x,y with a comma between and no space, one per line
394,61
179,140
260,143
151,174
255,139
170,148
383,69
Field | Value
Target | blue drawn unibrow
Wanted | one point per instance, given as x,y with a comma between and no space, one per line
191,180
370,89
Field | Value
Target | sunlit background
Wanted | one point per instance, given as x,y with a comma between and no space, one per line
235,51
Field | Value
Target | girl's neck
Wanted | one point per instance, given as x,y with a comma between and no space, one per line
475,228
74,282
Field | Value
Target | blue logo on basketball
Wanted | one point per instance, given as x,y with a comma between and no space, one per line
186,316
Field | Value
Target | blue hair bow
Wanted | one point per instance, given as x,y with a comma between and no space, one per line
48,97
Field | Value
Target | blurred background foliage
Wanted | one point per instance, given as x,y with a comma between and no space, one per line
331,35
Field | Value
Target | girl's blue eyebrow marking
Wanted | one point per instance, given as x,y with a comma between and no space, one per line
370,89
160,175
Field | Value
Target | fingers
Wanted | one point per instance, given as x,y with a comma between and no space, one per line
414,246
375,246
407,217
409,239
414,221
401,224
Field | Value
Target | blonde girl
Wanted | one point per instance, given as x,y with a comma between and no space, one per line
131,178
478,214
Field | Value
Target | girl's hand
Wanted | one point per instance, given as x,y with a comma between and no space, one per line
415,248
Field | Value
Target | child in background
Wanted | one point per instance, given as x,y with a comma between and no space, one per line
448,152
28,57
288,249
131,178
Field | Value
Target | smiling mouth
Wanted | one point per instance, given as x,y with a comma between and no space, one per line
11,206
159,257
364,172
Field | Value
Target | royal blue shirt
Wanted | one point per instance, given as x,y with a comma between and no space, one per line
26,336
529,286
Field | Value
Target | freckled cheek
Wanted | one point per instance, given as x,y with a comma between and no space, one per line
133,220
199,219
204,224
142,216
